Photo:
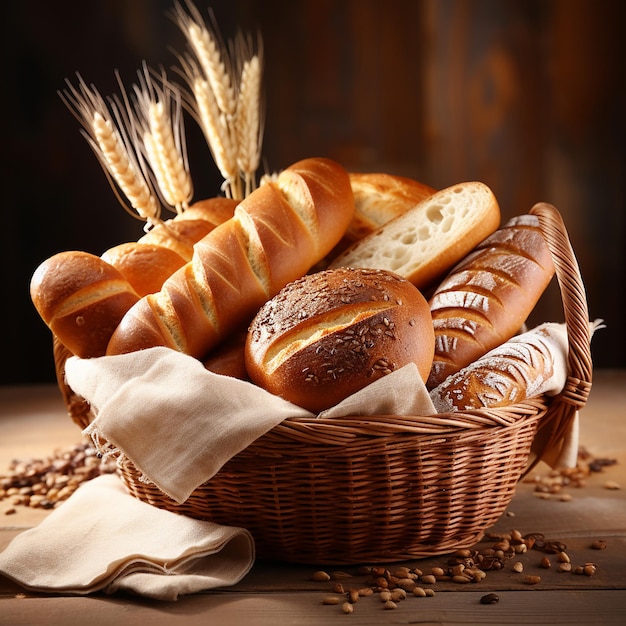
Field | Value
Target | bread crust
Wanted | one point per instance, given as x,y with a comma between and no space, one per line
327,335
423,243
488,296
522,367
275,235
82,299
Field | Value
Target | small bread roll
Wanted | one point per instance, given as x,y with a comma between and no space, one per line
82,299
329,334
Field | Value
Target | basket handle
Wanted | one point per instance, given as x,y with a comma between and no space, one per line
574,394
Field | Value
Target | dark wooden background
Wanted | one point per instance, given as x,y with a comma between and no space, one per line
526,96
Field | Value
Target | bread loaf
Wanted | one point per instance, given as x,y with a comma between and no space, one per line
276,234
148,262
426,241
82,299
329,334
528,365
488,296
379,198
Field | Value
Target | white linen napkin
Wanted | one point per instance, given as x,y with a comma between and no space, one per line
103,539
179,423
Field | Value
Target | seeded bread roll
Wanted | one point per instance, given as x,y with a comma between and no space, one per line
486,298
423,243
329,334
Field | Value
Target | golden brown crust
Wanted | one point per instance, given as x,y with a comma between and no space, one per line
487,297
276,234
82,299
145,266
329,334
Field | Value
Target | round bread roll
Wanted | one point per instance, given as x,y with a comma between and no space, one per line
82,299
329,334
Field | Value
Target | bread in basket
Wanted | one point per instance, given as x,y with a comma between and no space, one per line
385,488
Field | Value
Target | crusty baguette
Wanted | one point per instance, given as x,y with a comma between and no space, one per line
148,262
275,236
525,366
488,296
82,299
423,243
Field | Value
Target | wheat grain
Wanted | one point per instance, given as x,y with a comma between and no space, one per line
163,138
248,122
218,134
114,149
211,55
116,159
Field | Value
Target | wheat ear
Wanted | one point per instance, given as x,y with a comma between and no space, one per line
248,122
159,117
114,149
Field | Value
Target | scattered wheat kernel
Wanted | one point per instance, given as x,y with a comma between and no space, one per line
347,608
331,600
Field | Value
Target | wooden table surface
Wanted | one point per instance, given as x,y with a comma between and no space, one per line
33,423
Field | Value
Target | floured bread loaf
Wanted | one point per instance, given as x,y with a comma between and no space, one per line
526,366
427,240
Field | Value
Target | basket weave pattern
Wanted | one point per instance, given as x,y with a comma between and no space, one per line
385,488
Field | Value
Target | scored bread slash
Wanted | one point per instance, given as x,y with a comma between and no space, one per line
426,241
488,296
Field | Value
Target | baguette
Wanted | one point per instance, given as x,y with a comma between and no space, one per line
488,296
526,366
426,241
82,299
148,262
276,235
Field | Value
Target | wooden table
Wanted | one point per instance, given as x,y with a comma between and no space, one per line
33,423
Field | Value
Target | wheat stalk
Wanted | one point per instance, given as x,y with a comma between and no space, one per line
210,52
225,103
114,148
248,122
163,139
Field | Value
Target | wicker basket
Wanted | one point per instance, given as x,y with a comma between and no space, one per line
385,488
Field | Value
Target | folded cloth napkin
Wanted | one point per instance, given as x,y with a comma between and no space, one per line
104,539
179,423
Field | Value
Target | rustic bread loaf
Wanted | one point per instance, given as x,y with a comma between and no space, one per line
426,241
525,366
329,334
82,299
488,296
379,198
